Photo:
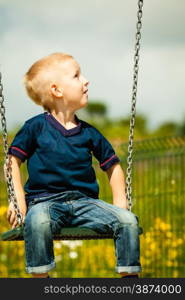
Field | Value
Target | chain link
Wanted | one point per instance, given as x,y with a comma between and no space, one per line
133,106
7,164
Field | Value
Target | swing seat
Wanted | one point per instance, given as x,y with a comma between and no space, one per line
67,233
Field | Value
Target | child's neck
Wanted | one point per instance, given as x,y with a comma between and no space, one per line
66,119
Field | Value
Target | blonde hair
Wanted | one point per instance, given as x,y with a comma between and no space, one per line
38,78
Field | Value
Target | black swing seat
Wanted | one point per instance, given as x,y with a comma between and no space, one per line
67,233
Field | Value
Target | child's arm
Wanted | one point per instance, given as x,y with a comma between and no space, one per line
117,183
15,163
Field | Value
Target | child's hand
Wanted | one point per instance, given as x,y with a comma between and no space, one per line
124,206
121,202
11,215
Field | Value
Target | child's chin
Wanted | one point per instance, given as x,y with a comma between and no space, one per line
83,104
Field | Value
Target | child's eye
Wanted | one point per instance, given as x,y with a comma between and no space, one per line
76,75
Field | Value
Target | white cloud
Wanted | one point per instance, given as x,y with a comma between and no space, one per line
100,34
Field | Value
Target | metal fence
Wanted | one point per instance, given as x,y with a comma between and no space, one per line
159,201
159,196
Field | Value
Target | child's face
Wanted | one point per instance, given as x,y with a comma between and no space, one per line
70,85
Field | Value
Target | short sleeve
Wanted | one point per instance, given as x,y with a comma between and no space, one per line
103,151
23,144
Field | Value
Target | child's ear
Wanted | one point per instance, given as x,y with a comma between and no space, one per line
56,91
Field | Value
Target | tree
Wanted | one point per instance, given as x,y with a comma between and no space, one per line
96,109
167,129
181,130
141,123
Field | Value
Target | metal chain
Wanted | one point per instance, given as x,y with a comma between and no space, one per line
7,164
133,106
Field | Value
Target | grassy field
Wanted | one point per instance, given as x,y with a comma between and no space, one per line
159,201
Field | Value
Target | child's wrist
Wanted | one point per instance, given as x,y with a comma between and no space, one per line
121,203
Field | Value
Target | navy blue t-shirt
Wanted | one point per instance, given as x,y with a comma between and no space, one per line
60,159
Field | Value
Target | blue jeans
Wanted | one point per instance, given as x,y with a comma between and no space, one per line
47,215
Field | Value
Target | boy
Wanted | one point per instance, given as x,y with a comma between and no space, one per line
62,189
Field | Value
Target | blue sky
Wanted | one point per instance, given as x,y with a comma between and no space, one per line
100,35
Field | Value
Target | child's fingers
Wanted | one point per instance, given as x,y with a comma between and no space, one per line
9,212
12,217
23,219
14,224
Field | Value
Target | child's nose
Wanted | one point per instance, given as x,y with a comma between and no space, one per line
86,82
